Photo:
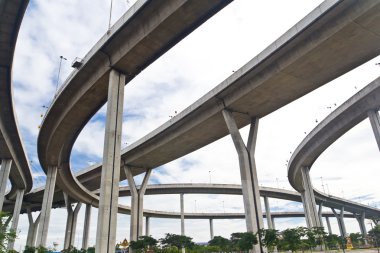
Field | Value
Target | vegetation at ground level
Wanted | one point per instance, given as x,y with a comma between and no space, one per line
292,239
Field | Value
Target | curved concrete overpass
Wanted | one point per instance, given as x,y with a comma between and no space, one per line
289,66
145,32
345,117
11,145
34,199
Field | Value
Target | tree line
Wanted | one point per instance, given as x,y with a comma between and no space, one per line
291,239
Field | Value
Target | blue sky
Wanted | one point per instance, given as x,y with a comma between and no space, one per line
189,70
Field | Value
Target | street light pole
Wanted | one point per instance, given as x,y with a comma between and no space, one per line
59,72
323,187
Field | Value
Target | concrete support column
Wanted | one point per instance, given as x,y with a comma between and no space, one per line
6,165
320,213
147,225
375,123
268,214
248,174
340,218
137,203
86,227
328,225
361,220
47,201
273,224
32,231
71,222
16,214
109,186
308,200
182,216
211,229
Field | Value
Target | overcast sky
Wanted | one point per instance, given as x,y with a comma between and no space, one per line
194,66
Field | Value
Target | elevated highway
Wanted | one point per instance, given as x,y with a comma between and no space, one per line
345,117
11,145
34,199
316,50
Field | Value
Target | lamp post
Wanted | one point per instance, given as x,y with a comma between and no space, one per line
323,186
59,72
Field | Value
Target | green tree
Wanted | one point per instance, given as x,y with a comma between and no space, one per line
356,239
143,243
332,241
29,249
269,238
374,234
41,249
179,241
222,243
291,239
243,241
6,234
91,250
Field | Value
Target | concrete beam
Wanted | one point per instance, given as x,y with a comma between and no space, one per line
43,227
108,203
4,175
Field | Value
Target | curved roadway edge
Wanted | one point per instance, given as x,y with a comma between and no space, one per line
34,199
11,145
316,50
345,117
143,33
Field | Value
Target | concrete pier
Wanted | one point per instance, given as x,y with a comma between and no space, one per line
182,210
308,200
109,186
86,227
267,212
4,175
375,123
248,173
361,220
32,231
46,206
71,222
340,218
211,228
137,203
16,214
328,225
147,225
